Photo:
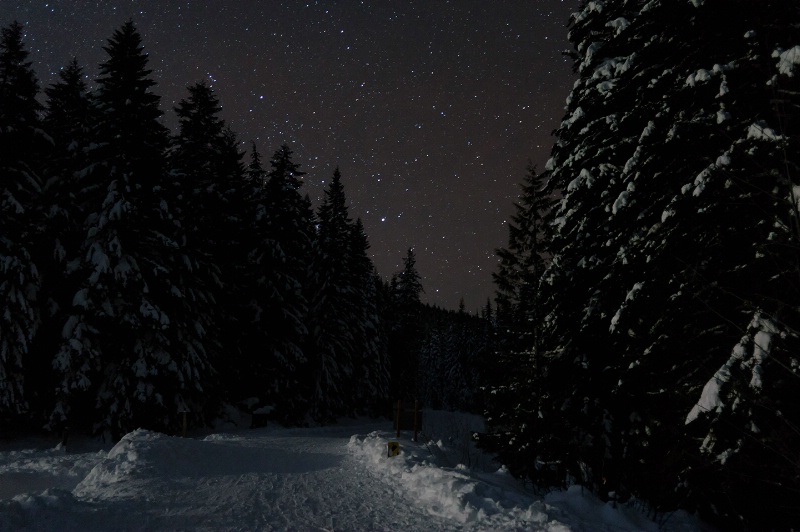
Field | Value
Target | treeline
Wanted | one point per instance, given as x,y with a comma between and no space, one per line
145,274
649,296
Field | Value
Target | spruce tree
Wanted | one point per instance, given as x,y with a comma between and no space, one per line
663,320
125,360
208,191
521,266
406,331
69,117
371,357
333,317
21,143
280,263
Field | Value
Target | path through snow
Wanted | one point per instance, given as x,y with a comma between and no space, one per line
334,478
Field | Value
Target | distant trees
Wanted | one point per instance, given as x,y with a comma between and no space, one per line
668,313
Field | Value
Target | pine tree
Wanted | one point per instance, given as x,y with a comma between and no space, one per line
68,119
20,143
674,183
280,263
333,309
405,336
125,360
370,340
255,169
408,286
518,363
208,192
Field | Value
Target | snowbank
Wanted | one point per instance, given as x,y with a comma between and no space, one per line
450,478
452,492
322,478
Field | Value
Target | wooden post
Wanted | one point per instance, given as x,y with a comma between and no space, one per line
397,417
184,423
416,424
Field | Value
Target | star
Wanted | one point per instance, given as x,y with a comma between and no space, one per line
427,108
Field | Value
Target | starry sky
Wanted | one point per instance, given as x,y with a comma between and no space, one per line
430,108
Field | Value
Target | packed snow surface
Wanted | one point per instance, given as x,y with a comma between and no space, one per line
332,478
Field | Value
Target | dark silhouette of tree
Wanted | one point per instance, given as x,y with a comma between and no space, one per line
21,141
68,119
128,346
518,363
279,302
404,339
667,321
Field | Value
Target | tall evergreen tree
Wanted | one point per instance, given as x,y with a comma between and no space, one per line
333,308
68,119
405,335
20,143
370,340
348,347
518,365
124,361
670,243
208,192
278,308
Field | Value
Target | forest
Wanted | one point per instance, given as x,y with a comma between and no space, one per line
149,276
644,339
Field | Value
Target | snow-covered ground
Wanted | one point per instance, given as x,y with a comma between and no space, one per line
329,478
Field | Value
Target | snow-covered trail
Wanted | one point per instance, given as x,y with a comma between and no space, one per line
255,480
330,478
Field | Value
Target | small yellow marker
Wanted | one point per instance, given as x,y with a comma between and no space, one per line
394,448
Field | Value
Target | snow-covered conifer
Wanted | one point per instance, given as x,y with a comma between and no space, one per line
673,245
21,142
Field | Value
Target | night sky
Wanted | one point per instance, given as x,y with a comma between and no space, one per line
430,108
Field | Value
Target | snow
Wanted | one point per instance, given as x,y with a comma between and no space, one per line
788,60
591,7
630,297
760,131
613,67
710,400
577,114
605,87
618,24
648,130
723,160
583,177
633,161
590,52
622,201
701,75
700,182
794,197
321,478
762,347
